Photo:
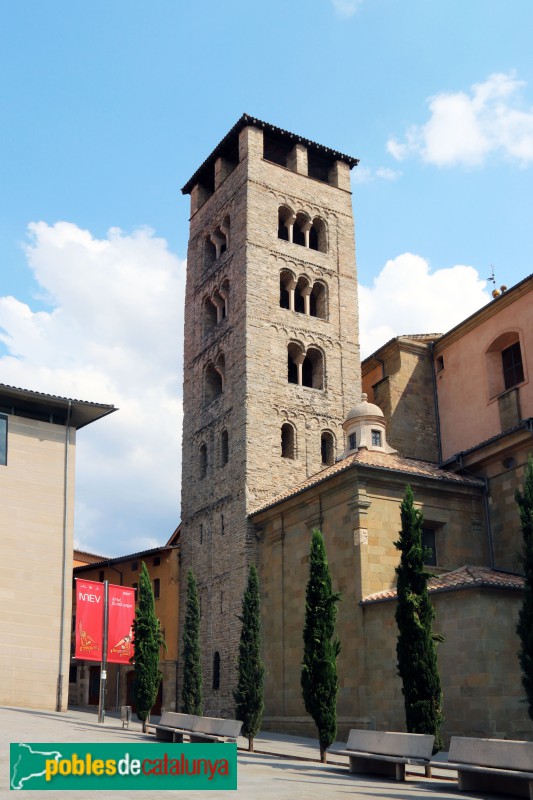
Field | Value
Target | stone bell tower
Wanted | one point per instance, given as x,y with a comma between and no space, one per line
271,364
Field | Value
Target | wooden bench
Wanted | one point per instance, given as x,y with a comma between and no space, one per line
173,726
385,752
494,765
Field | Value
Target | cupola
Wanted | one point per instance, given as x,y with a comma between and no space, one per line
366,428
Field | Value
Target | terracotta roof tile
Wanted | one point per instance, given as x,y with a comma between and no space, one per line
467,577
374,460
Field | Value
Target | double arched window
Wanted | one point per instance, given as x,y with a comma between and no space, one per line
299,228
215,307
216,243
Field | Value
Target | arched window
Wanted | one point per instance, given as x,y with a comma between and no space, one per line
287,283
213,384
327,447
202,464
224,448
301,225
210,317
295,357
210,253
318,301
505,367
301,296
288,441
219,241
317,235
216,671
313,369
285,221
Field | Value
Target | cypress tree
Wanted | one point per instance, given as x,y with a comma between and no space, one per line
248,696
525,617
416,649
319,669
191,694
147,640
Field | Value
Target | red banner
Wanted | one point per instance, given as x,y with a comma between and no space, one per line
121,612
89,620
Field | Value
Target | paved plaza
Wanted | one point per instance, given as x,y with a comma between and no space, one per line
282,768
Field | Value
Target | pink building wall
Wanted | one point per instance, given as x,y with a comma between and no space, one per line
469,373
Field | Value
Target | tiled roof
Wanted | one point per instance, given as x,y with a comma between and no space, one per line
128,557
378,461
86,553
466,577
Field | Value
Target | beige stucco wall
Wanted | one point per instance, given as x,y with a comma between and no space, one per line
32,499
468,408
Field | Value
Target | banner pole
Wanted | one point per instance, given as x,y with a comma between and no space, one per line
103,671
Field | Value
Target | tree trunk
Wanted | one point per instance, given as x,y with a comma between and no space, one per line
250,744
323,755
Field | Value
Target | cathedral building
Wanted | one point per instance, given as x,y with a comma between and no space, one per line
278,439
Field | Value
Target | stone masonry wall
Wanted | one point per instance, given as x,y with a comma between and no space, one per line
251,343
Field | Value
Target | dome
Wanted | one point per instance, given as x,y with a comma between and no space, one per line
364,409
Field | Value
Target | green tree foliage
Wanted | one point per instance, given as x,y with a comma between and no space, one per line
319,669
416,648
525,617
147,641
191,695
248,696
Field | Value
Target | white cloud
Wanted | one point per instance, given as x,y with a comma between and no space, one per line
366,175
406,298
465,128
347,8
113,334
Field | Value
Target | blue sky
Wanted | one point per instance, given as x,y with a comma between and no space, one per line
107,108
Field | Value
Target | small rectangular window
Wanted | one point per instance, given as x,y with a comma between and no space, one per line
157,588
3,440
156,562
376,438
352,441
134,566
101,575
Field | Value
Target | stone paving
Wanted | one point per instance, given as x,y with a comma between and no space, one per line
282,768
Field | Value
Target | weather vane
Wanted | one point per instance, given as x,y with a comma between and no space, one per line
495,292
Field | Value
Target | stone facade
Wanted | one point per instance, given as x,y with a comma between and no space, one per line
356,504
479,669
399,379
271,355
273,447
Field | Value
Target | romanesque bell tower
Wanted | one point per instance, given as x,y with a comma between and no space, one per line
271,357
